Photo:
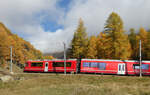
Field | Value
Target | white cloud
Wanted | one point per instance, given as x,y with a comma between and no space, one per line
52,41
135,13
24,17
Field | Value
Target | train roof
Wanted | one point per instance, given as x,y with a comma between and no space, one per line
90,60
53,60
114,60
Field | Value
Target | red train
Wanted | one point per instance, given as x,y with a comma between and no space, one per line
56,65
126,67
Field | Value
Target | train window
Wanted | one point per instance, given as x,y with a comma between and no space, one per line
46,65
144,66
37,64
102,66
136,66
123,67
61,64
86,64
119,67
94,64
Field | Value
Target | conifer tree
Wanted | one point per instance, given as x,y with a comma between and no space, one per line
120,46
92,48
148,46
134,44
79,42
143,37
103,46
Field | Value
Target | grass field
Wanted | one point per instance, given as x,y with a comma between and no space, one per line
58,84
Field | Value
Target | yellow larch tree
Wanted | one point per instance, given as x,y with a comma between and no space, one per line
92,48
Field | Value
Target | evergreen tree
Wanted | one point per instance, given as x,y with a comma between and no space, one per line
79,42
120,46
92,48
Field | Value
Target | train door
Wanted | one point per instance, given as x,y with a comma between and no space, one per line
121,68
46,67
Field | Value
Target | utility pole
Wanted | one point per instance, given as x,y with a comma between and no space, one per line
11,60
140,59
64,58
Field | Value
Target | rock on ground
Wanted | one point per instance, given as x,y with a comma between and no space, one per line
6,78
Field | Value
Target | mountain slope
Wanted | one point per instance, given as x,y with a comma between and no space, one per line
22,50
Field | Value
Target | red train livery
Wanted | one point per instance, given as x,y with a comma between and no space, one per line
56,65
126,67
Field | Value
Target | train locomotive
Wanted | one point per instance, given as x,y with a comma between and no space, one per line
99,66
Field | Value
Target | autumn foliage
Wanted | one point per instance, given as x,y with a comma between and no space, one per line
22,50
79,42
111,43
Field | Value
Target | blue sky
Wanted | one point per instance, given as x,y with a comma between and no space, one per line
64,4
46,24
52,26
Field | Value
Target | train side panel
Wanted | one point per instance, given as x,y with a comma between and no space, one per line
127,67
105,67
58,66
50,66
34,66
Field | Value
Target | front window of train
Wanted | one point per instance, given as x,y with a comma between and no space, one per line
26,64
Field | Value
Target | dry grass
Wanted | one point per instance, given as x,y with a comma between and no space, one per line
51,84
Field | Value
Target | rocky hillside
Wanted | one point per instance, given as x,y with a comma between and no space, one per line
22,50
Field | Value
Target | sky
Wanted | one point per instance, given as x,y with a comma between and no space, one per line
47,24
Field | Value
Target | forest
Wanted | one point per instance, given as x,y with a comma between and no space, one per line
21,50
114,42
